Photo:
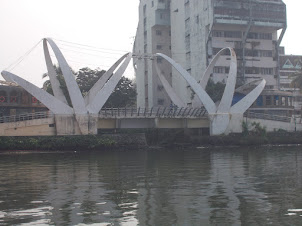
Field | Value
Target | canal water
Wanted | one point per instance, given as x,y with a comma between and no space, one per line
195,186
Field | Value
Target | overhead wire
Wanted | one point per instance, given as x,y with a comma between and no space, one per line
70,50
94,50
20,59
69,59
94,47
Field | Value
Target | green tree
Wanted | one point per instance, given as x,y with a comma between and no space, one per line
47,85
297,80
215,90
87,77
124,94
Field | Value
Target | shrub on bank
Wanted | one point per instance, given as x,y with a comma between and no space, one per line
56,143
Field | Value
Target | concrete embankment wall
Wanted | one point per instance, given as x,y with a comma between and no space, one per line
35,127
272,126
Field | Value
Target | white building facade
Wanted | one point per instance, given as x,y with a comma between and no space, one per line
198,30
153,35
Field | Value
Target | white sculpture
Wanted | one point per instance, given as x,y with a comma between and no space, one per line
82,108
224,117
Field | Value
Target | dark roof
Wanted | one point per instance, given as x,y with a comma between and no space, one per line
290,62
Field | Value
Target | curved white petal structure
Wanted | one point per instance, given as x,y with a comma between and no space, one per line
53,104
220,116
102,96
170,91
248,85
55,84
227,97
201,93
85,120
101,82
72,86
206,76
248,100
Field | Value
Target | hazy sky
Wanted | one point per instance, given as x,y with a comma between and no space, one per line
110,26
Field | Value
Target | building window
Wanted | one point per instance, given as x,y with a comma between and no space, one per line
252,70
160,101
218,34
265,36
266,71
159,60
197,19
159,47
268,100
269,87
145,36
187,42
215,50
219,70
265,53
290,102
188,57
283,101
158,32
232,34
252,35
144,9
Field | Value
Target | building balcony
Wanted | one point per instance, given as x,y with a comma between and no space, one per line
163,5
261,13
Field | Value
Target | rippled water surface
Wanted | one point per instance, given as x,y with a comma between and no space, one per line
198,186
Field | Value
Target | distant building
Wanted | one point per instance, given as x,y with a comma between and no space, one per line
289,65
14,100
193,31
153,36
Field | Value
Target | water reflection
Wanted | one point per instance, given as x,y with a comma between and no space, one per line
220,186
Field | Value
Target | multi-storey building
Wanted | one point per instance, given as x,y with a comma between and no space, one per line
153,36
200,28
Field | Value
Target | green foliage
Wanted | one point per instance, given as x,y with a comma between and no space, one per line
87,77
124,94
56,143
297,80
47,86
258,129
215,90
245,128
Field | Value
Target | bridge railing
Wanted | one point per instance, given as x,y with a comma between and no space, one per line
279,118
28,116
164,112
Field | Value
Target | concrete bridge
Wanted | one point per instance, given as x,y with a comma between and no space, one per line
44,123
86,114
